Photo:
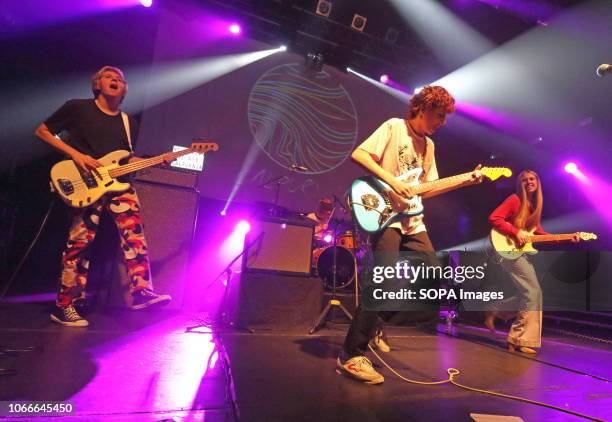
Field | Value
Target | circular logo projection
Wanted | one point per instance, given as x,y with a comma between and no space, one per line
298,116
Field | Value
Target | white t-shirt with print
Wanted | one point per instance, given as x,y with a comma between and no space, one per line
394,150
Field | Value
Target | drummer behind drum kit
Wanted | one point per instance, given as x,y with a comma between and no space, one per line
343,238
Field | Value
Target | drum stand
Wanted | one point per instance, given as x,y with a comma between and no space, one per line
334,301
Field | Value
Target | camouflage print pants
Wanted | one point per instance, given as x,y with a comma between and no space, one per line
124,208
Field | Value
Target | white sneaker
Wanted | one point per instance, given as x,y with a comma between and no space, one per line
380,342
69,316
359,368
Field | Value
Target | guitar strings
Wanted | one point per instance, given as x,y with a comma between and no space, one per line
77,184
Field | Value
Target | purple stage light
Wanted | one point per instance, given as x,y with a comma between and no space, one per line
234,29
146,3
384,78
327,238
571,167
243,227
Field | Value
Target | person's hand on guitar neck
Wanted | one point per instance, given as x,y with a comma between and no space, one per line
86,163
477,175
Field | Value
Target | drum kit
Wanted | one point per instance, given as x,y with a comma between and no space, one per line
349,248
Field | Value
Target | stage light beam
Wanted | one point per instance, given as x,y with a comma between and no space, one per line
235,29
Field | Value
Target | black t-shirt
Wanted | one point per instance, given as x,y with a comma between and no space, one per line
90,130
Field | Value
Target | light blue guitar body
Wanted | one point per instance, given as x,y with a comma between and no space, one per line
371,205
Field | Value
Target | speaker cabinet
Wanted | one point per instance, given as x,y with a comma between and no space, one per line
168,214
278,301
279,246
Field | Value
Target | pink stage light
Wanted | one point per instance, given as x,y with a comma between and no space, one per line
384,78
235,29
146,3
571,168
243,227
327,238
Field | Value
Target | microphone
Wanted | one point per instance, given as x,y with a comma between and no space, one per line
603,69
299,168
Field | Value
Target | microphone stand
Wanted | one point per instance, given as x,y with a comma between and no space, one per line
220,319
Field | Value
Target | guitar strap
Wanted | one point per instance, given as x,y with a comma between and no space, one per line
427,157
126,125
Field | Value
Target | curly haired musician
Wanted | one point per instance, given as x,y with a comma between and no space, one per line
93,128
396,147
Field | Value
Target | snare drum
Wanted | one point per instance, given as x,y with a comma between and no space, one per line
323,260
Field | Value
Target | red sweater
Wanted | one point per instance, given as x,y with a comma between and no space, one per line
502,216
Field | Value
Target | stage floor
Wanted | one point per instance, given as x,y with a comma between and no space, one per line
146,367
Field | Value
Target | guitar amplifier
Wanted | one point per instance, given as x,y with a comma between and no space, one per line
169,176
279,245
168,215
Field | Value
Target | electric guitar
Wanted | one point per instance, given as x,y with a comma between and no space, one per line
374,208
506,246
80,189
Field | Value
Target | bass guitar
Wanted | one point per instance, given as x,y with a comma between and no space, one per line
80,189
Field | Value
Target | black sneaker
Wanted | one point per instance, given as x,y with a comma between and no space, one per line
145,298
69,316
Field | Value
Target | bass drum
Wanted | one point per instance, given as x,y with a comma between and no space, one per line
323,260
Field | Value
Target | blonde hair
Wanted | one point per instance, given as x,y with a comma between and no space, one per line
95,79
527,219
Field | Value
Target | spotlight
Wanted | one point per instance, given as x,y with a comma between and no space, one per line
418,89
571,168
234,29
314,61
223,213
324,8
391,35
359,22
282,48
243,227
384,78
146,3
327,238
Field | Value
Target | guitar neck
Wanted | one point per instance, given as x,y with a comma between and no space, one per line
549,237
447,182
147,162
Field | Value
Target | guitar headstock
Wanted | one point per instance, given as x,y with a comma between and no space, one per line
587,236
204,147
494,173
